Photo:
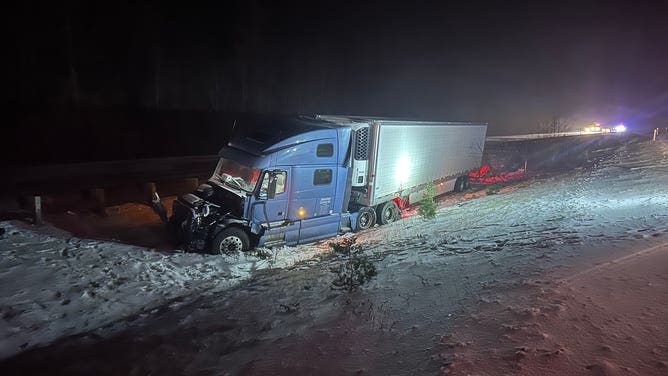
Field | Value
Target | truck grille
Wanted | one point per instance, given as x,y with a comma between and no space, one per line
362,144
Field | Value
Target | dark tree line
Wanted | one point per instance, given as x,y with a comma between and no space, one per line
501,62
108,80
235,56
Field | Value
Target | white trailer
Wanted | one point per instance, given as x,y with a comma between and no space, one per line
395,159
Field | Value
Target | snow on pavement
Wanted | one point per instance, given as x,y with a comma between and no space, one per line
53,285
606,319
611,319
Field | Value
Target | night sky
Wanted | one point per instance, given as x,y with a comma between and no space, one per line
510,64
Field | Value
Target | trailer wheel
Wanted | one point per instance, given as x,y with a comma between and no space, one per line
466,183
366,218
230,241
460,184
387,212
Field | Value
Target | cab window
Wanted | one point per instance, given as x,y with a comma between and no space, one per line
322,176
281,178
325,150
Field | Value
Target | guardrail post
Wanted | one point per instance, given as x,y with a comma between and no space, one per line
36,206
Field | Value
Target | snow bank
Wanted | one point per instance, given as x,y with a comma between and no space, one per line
57,285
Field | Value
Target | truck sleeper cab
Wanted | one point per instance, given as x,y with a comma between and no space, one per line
316,178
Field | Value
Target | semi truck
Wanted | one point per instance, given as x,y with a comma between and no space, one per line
309,178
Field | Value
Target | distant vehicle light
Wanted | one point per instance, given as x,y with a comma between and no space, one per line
594,129
620,128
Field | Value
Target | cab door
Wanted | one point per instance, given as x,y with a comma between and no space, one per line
272,210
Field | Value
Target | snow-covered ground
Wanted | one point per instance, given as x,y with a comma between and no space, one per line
431,307
609,319
54,285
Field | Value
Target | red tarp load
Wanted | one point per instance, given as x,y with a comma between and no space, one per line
487,176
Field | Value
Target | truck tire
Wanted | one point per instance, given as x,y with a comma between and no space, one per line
366,219
465,183
230,241
387,212
460,184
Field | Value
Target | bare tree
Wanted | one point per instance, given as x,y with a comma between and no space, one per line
556,124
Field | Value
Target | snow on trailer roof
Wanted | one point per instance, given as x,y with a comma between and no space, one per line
346,119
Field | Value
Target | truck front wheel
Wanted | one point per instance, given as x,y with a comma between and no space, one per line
366,218
387,212
230,241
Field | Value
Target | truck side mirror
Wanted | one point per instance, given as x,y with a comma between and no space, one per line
271,189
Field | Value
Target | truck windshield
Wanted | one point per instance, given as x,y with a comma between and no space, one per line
236,175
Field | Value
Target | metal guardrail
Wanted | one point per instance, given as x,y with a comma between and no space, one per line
535,136
37,180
